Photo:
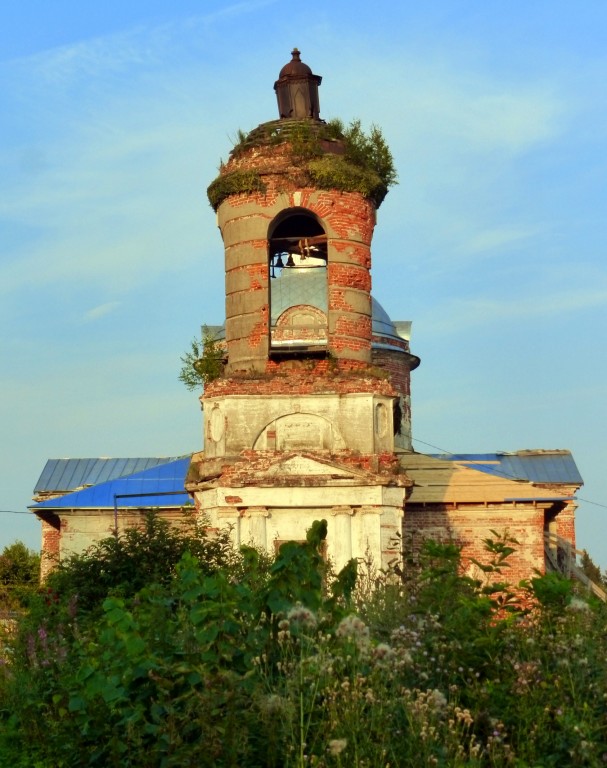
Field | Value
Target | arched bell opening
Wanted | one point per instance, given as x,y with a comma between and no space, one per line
298,298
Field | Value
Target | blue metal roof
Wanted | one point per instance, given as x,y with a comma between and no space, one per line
159,486
68,474
541,466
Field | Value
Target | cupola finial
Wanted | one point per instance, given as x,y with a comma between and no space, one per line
297,90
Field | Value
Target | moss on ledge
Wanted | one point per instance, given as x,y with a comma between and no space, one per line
234,183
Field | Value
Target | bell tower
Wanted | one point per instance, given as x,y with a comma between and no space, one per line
313,401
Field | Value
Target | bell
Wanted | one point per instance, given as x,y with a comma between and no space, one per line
290,262
278,263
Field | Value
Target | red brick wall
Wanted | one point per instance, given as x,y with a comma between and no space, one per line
51,544
317,379
396,366
468,525
348,219
565,523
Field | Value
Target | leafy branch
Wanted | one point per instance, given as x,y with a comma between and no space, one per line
203,363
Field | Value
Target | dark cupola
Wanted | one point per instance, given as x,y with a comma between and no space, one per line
297,90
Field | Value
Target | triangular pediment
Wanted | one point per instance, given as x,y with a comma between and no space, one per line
296,468
299,465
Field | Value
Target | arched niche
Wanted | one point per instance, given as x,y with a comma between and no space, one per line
299,431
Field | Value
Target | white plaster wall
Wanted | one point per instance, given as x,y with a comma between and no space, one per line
241,420
361,521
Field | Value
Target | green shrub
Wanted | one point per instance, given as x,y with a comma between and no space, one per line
234,661
19,576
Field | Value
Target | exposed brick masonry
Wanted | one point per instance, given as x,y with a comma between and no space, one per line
301,383
250,465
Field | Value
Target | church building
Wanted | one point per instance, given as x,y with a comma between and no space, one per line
308,415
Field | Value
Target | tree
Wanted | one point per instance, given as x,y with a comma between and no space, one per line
591,569
19,575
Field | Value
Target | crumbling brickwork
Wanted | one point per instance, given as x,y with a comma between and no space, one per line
469,525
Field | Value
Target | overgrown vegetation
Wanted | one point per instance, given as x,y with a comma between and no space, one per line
203,363
226,659
234,183
326,155
19,576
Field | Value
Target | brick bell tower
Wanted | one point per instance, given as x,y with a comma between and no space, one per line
312,407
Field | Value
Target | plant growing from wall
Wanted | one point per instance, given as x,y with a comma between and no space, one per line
326,155
234,183
203,363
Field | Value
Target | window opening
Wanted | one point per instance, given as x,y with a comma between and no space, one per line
298,285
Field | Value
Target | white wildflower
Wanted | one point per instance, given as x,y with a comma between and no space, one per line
383,654
337,746
353,628
438,699
578,605
303,616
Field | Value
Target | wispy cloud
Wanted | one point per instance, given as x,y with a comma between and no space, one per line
101,310
140,44
485,115
493,239
461,101
465,314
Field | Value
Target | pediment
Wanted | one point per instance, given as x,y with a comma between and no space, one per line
296,468
299,465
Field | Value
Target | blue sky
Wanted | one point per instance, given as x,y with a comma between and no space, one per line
113,120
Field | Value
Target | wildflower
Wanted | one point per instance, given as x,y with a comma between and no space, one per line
353,628
337,746
273,705
438,699
383,653
303,616
578,605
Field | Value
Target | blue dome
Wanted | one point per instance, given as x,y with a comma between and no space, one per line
381,323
